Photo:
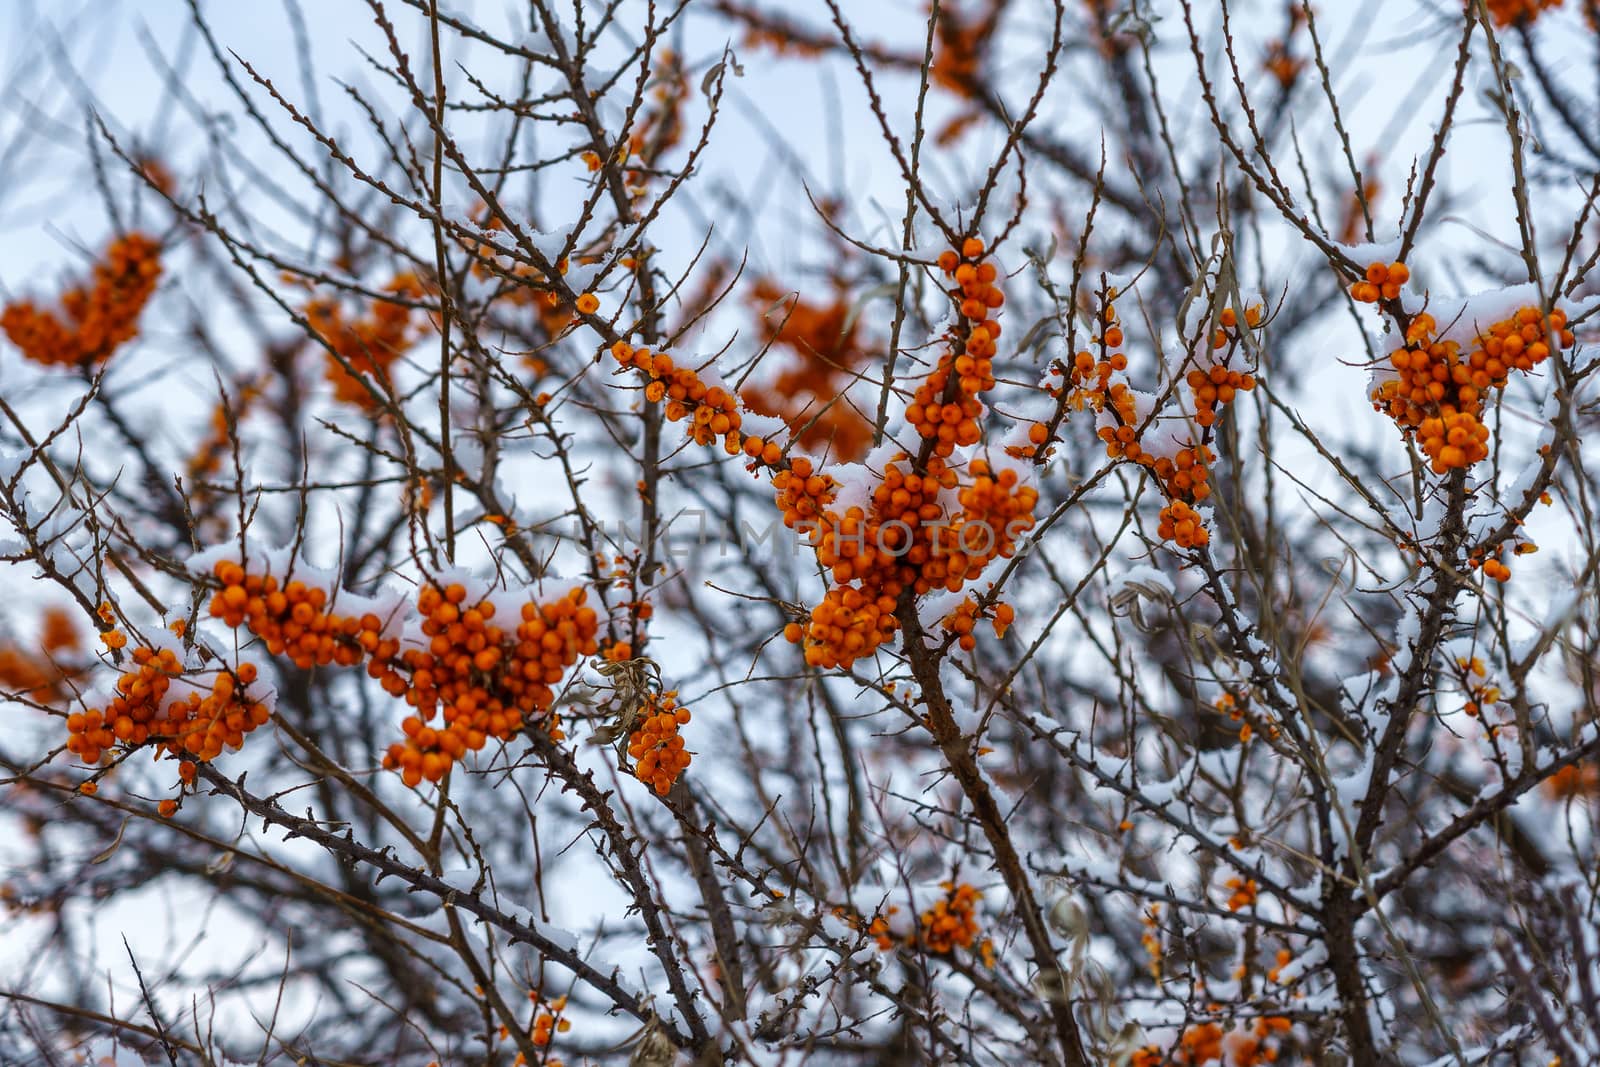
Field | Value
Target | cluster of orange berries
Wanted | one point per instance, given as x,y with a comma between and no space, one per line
1497,570
1474,678
43,677
1440,396
1574,780
1151,939
952,923
961,623
1217,386
1520,343
1383,282
1282,65
878,928
712,410
27,675
901,543
1453,441
487,680
1090,382
1180,524
371,343
1512,12
1242,893
157,173
1185,475
781,38
1122,439
845,625
893,530
903,503
191,728
1495,566
1208,1043
656,748
1227,331
1229,705
803,494
945,408
100,318
549,1022
995,508
202,726
965,617
293,620
808,393
873,554
963,47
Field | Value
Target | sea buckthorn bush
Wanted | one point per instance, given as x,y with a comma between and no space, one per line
750,533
